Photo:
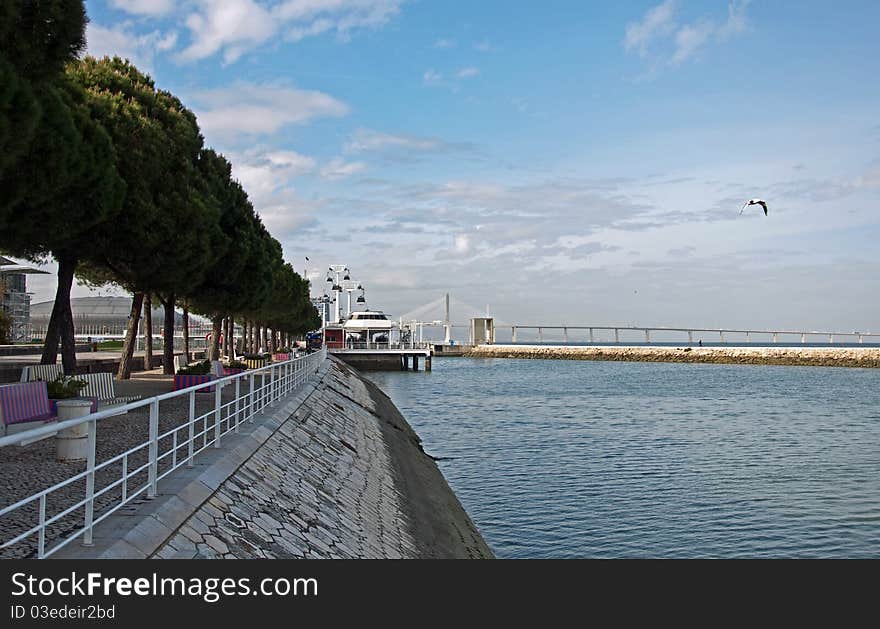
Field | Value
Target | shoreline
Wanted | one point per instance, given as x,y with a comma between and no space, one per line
738,355
334,471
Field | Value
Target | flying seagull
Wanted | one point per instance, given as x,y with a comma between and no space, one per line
760,202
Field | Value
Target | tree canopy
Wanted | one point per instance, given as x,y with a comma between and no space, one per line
109,175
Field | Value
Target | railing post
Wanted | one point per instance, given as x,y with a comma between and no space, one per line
218,402
192,429
616,335
691,337
90,483
153,470
647,335
591,335
41,544
237,394
513,334
251,399
540,335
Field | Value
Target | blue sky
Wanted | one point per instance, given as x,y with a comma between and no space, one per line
562,161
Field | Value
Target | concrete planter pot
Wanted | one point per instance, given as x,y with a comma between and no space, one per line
185,382
72,444
54,402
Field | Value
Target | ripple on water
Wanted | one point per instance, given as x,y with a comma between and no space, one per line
607,459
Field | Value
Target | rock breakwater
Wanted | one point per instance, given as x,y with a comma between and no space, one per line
807,356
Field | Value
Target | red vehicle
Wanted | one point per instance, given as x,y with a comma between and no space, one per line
333,338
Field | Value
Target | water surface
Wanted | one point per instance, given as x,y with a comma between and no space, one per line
557,458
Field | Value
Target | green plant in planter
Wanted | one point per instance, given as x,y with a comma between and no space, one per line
236,364
202,368
65,387
254,356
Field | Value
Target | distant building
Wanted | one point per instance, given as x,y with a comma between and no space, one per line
98,315
15,301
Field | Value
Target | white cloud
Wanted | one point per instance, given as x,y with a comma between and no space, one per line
469,72
689,39
120,41
262,109
268,175
338,168
234,27
431,77
462,244
658,29
369,140
444,43
656,23
144,7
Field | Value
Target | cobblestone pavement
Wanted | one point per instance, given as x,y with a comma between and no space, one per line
34,467
321,487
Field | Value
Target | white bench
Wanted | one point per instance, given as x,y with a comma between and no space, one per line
47,373
103,387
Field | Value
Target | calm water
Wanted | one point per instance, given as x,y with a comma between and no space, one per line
608,459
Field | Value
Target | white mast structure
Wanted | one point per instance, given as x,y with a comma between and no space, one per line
337,287
446,324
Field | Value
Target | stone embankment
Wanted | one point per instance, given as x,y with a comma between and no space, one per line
807,356
334,471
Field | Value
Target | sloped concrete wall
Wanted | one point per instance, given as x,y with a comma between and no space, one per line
343,477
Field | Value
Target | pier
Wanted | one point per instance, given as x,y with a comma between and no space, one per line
385,359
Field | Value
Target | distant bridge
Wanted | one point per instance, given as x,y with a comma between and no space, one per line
430,314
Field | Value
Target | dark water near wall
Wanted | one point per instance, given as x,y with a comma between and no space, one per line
609,459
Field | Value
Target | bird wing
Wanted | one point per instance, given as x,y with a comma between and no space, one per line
763,204
743,209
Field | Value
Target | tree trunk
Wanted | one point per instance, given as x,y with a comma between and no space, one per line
186,333
264,342
227,336
253,325
244,336
148,331
168,333
61,321
53,331
137,304
217,328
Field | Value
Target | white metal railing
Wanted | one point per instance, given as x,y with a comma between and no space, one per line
394,345
157,457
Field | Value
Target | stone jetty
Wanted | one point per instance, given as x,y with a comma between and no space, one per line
335,472
807,356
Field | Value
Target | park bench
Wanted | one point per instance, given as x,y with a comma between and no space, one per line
103,387
180,362
24,403
47,373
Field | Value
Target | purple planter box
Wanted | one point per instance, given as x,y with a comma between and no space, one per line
280,358
231,371
185,382
54,403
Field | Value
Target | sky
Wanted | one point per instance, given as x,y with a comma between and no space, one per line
557,162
